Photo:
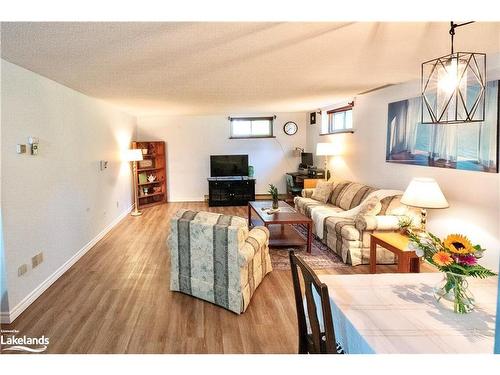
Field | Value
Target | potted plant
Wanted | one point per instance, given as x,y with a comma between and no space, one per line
273,190
458,259
405,224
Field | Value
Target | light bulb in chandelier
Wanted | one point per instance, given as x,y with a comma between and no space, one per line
451,75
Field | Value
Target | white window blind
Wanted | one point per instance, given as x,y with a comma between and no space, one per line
251,127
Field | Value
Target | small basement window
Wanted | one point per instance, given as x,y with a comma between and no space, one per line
339,121
251,127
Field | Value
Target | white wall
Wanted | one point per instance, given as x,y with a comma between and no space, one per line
58,201
474,197
192,139
4,298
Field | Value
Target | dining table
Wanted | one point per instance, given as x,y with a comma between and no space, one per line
398,313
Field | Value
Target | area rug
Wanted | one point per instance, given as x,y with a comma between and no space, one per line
319,258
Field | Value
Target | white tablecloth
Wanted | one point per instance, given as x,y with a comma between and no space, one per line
397,313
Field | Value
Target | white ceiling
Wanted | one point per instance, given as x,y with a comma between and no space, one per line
202,68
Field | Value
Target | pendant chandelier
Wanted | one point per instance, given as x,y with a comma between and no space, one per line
453,86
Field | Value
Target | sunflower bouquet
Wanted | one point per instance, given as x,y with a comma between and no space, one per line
458,258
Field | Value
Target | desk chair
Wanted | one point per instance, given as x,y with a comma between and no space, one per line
291,189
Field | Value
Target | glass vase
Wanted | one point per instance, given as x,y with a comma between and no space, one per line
275,203
453,292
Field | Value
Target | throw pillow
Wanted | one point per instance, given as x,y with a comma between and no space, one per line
370,206
322,191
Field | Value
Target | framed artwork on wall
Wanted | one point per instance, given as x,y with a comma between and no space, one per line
312,118
469,146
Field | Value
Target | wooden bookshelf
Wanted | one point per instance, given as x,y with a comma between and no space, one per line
150,193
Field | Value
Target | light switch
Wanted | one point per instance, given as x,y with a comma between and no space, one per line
21,149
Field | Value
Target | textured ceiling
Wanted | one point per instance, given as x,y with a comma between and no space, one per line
201,68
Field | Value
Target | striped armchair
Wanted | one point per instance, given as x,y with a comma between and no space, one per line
216,258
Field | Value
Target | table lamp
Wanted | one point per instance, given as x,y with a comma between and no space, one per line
424,193
134,155
326,150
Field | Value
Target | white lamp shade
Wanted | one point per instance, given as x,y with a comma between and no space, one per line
132,155
326,149
424,193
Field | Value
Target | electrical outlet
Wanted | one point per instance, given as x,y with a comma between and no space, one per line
103,164
33,142
22,270
36,260
117,204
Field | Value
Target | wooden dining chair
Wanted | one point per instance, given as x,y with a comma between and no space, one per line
316,333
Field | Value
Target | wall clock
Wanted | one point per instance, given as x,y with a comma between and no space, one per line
290,128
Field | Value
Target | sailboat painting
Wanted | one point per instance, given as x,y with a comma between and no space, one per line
470,146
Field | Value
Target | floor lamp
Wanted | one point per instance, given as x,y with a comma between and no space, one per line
134,155
326,150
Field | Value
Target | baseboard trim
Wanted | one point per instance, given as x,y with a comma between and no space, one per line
9,317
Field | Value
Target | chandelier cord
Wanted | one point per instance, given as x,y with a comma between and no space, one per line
453,26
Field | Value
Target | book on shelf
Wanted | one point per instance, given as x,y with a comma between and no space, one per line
143,178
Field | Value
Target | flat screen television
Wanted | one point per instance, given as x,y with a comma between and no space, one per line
228,165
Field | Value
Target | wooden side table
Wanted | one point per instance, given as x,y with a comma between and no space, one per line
398,244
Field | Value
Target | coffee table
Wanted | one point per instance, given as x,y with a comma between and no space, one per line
279,223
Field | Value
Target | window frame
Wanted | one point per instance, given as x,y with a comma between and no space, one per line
330,114
251,118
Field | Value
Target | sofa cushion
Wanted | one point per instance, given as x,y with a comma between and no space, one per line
370,206
338,188
356,252
342,227
352,195
322,191
304,205
320,213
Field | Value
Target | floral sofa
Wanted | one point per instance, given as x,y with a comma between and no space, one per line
216,258
344,214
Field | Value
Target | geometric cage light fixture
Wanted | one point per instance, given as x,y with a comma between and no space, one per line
453,86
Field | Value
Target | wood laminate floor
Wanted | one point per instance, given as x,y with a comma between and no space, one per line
116,299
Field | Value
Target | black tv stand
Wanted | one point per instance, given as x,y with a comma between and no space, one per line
230,191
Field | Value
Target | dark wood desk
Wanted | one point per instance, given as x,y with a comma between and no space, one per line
301,179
